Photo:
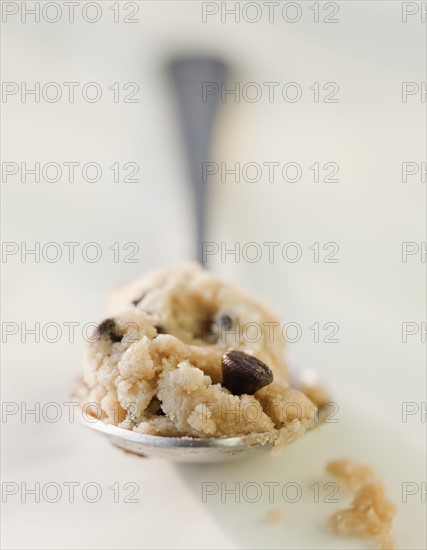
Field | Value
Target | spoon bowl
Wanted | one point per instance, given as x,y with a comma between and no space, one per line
182,449
189,449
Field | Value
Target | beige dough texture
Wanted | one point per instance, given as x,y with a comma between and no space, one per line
371,513
155,365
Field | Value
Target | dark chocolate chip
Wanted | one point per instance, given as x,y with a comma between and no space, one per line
243,373
225,322
109,328
136,302
212,329
160,329
154,407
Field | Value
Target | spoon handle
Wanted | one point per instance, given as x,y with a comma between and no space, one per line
191,75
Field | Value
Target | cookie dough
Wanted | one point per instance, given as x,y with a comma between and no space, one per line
184,354
371,513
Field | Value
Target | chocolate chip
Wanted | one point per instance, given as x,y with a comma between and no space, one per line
212,330
225,322
109,328
160,329
154,407
243,373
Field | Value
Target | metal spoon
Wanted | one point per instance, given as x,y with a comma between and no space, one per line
182,449
197,116
188,449
190,75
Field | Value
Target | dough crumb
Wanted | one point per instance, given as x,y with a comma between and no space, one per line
387,542
353,474
371,512
275,516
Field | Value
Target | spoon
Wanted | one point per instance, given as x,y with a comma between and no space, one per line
197,113
197,118
181,449
188,449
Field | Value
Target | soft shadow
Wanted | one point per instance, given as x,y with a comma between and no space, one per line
239,495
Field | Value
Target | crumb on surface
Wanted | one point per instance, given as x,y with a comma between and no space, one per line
354,475
371,512
387,542
275,516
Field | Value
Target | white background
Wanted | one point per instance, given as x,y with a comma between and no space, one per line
369,293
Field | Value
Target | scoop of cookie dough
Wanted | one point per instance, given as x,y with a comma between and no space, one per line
185,354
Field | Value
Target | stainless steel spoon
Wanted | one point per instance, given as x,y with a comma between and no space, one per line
182,449
190,76
197,116
188,449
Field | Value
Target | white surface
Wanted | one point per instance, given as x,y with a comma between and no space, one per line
369,293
